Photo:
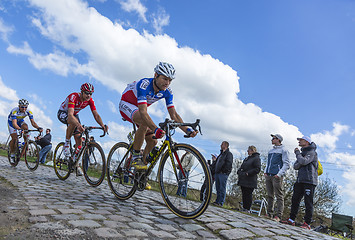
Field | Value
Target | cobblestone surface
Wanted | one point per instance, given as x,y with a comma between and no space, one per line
72,209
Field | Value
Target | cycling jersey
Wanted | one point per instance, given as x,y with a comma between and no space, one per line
142,92
73,101
16,114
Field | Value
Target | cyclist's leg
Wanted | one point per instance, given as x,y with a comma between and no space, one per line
13,142
130,113
150,143
24,127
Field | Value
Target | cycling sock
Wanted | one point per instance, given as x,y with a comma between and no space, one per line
67,141
135,152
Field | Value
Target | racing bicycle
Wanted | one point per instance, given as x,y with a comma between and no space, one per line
92,155
123,180
27,149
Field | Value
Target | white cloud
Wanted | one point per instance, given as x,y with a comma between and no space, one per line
112,106
328,139
7,93
160,20
134,6
4,30
56,62
114,56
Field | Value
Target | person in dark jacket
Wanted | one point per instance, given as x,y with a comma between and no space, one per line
223,168
307,180
212,167
248,176
46,145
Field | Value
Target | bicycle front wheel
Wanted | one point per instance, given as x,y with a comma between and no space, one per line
32,155
17,153
120,175
61,163
186,195
94,164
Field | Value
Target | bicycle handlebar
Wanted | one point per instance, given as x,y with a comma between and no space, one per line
33,130
89,128
171,124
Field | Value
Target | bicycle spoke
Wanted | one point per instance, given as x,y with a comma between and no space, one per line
182,194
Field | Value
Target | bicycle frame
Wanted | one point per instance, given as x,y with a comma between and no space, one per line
85,144
168,143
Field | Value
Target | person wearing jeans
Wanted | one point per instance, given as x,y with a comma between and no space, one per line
46,145
187,161
223,168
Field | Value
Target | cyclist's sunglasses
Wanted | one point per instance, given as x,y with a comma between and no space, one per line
87,93
23,106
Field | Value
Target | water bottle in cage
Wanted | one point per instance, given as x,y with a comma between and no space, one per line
152,154
20,145
130,137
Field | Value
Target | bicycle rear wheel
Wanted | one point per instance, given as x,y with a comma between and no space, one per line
94,164
185,196
17,153
61,163
120,176
32,155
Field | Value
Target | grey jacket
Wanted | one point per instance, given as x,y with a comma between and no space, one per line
307,165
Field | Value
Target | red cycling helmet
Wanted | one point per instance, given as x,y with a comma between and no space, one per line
87,87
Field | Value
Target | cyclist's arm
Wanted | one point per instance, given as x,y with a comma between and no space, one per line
98,119
34,124
14,124
176,117
142,108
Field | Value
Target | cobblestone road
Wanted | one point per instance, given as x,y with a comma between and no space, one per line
72,209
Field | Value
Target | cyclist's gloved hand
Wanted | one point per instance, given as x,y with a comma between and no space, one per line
40,129
191,132
106,128
159,133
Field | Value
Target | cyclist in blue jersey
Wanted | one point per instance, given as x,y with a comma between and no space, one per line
16,122
137,97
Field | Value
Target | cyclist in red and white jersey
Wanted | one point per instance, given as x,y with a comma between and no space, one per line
68,114
133,107
16,122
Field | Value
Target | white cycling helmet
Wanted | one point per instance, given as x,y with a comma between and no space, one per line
165,69
23,102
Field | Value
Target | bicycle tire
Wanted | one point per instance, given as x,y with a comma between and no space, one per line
32,155
119,177
194,203
61,164
94,173
17,153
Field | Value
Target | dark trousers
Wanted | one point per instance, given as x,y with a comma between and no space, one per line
247,196
306,191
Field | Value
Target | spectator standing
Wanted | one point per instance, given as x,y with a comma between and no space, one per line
248,176
212,167
46,145
223,168
276,167
187,162
307,180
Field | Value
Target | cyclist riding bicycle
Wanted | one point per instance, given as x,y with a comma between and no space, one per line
16,122
68,114
137,97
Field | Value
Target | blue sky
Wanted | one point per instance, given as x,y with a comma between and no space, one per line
245,68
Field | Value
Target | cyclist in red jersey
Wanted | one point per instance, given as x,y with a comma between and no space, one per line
133,107
68,114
